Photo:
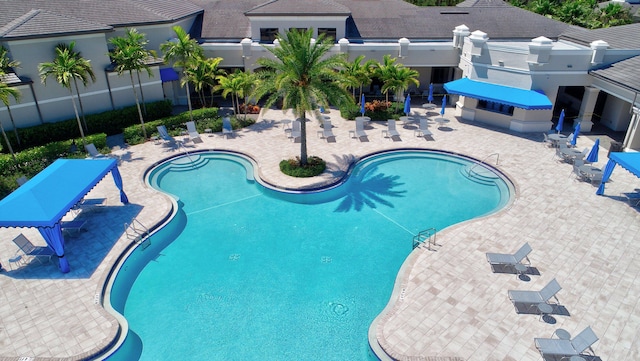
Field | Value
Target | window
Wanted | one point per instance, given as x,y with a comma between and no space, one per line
268,35
441,75
330,33
495,107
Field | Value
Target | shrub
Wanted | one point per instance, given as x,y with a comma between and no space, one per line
376,110
251,109
292,167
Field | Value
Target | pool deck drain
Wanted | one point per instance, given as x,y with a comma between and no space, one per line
453,304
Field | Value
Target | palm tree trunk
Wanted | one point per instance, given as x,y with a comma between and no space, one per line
189,101
75,110
84,121
233,103
303,139
135,95
246,105
13,123
144,105
6,139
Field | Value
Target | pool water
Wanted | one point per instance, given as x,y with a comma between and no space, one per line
249,273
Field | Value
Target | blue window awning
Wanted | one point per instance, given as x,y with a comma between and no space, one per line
47,197
519,98
168,74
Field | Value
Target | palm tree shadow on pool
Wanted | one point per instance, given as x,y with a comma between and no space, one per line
370,192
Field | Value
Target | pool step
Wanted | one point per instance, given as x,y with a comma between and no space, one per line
188,162
480,175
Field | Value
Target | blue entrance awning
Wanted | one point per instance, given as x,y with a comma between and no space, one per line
47,197
519,98
168,74
628,161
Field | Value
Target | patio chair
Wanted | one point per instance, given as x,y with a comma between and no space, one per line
546,141
510,259
534,297
633,198
423,129
93,152
73,227
576,169
295,131
360,133
567,348
327,131
391,130
33,251
164,135
193,133
227,129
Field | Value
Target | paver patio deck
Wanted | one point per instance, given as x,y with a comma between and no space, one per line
448,303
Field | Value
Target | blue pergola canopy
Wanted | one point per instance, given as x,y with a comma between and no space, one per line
47,197
628,161
519,98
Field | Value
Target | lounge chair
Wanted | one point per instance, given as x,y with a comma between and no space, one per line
510,259
74,226
633,198
360,133
423,129
30,250
567,348
164,135
391,130
227,129
534,297
295,131
327,131
93,152
22,180
193,133
90,204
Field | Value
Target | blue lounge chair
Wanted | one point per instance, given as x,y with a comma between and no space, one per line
74,226
33,251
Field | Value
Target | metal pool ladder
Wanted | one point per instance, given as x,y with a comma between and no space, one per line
138,233
428,236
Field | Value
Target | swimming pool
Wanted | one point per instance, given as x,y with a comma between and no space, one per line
245,272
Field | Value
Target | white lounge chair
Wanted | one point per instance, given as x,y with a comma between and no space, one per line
93,152
391,130
510,259
295,131
327,131
33,251
193,133
423,129
566,348
534,297
360,133
227,129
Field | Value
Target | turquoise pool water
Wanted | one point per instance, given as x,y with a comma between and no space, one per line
248,273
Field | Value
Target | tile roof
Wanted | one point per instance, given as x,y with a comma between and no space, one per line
71,16
485,3
296,7
624,73
618,37
388,19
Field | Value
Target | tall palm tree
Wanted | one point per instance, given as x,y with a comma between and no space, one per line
248,84
395,77
303,76
6,65
385,72
67,67
139,41
181,51
6,92
129,56
357,75
202,74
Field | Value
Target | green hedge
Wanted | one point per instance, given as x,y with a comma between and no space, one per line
352,111
110,122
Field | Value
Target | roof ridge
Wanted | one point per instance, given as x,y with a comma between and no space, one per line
261,5
15,23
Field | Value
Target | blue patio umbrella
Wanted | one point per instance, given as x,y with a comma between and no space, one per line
575,134
444,104
407,104
560,121
430,98
593,154
362,104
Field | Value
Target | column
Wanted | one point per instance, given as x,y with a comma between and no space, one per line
586,108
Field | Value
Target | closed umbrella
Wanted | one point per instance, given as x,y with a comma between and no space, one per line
560,121
362,104
444,104
593,154
430,98
407,104
575,135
